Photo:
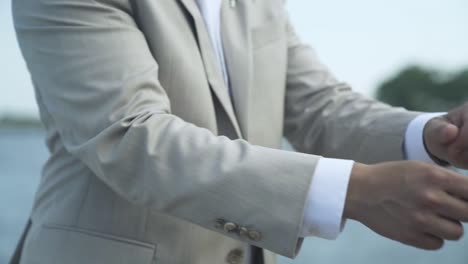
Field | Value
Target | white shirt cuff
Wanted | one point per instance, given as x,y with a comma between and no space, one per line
414,138
323,216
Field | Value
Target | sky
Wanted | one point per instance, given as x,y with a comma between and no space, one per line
363,42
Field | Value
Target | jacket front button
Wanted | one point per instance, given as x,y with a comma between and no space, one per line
235,256
254,235
230,227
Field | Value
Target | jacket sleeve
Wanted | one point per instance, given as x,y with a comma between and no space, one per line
98,82
325,117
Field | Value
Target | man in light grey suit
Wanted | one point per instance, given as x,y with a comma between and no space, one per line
164,120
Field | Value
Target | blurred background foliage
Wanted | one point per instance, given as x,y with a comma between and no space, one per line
423,89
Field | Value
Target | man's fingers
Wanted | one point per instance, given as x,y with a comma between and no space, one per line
423,241
460,145
448,133
453,208
443,228
456,184
444,132
458,157
440,136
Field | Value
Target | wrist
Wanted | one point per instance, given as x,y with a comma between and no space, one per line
356,190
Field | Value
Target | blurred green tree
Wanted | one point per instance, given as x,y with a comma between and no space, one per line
420,89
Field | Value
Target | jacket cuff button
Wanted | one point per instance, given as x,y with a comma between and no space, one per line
254,235
219,224
230,227
244,232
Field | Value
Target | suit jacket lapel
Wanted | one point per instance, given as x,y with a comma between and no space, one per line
213,72
238,53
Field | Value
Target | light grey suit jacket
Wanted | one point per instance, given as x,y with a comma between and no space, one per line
150,159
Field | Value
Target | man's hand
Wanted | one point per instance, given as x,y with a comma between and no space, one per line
446,137
412,202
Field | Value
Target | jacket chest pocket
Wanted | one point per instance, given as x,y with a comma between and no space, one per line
60,244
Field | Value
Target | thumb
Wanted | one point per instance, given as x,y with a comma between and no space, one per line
444,131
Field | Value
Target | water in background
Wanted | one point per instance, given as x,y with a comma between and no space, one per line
22,152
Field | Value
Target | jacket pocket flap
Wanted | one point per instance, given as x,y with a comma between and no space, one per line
75,245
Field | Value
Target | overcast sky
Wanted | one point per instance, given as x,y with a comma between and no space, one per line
362,41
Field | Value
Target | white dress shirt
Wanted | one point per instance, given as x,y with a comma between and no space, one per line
323,216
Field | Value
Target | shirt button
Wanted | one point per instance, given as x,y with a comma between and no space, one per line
235,256
254,235
230,227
